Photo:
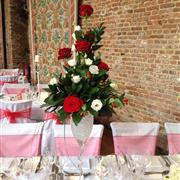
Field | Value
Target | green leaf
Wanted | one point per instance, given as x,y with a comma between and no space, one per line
118,102
76,118
62,115
53,87
93,112
95,47
94,90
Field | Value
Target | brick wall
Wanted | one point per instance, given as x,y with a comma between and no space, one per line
1,41
16,34
142,47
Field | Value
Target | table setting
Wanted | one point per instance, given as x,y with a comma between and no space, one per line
134,167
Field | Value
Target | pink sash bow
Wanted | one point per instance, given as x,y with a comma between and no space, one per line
11,116
12,82
53,116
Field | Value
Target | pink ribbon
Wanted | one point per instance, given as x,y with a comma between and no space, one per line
13,115
12,82
52,116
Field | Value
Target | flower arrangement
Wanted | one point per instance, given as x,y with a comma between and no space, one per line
85,87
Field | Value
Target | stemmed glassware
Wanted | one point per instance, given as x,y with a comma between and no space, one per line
81,133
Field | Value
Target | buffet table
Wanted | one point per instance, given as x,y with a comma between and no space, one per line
109,167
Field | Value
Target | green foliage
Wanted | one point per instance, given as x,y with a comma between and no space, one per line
90,87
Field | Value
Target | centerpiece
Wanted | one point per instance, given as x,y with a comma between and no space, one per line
84,90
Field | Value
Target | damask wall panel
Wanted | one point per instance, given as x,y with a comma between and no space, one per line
53,21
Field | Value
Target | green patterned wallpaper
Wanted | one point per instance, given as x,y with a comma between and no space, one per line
53,23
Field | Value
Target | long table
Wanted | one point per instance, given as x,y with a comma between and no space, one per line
109,167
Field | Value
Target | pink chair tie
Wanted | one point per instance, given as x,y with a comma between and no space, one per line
18,91
13,115
12,82
52,116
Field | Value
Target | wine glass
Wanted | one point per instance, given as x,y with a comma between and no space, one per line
81,132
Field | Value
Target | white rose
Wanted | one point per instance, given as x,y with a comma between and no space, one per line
94,69
72,62
77,28
74,36
75,79
96,104
114,85
88,62
73,48
53,81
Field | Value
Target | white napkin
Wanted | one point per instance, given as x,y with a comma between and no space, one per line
71,165
5,163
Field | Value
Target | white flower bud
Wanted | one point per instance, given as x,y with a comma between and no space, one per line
74,36
96,104
77,28
53,81
73,48
72,62
114,85
94,69
88,62
76,79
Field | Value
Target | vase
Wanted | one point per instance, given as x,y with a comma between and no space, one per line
81,133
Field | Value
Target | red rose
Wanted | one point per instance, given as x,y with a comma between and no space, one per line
72,104
125,100
85,10
103,65
89,74
64,53
83,46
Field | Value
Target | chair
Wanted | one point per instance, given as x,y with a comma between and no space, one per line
135,138
69,146
25,140
15,111
15,88
8,79
9,72
173,137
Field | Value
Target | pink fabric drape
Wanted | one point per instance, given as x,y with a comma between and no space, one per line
20,145
173,143
142,145
52,116
14,90
12,82
69,146
11,116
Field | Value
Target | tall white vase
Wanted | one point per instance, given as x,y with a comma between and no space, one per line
81,133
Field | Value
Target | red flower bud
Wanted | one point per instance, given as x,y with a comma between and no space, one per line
64,53
103,65
85,10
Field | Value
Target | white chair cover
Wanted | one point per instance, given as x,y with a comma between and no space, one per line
173,137
69,146
15,111
15,88
25,139
9,72
42,87
135,138
8,79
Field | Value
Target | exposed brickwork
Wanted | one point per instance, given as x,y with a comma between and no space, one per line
1,40
142,46
16,34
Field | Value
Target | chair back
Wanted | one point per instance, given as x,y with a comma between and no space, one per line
173,137
9,72
69,146
24,140
135,138
15,111
15,88
8,79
